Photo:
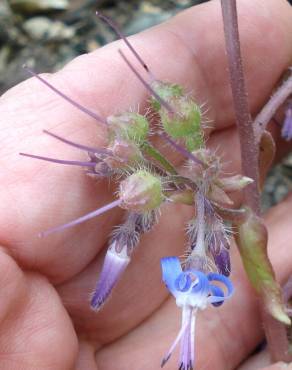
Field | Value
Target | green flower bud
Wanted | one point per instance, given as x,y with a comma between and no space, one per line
234,183
166,91
141,192
186,123
131,126
210,167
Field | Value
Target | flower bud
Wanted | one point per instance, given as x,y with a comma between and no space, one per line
130,125
234,183
210,166
222,261
125,153
141,192
218,195
146,221
166,91
113,267
186,123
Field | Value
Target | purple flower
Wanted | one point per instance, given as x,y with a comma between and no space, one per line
287,124
123,242
113,267
192,290
222,261
218,246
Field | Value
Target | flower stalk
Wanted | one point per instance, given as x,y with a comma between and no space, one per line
249,150
250,162
266,114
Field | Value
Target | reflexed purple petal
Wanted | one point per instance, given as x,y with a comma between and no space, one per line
171,269
217,292
287,124
213,277
113,267
222,261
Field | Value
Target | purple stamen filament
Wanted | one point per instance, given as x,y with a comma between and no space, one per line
181,149
146,85
60,161
69,100
174,344
81,219
79,146
120,34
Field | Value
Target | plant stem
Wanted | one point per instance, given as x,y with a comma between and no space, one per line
155,154
276,336
274,330
267,113
249,151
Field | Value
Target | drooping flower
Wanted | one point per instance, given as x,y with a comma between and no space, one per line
121,246
193,290
115,262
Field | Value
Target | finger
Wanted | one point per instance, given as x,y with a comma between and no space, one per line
139,292
259,360
86,357
143,273
36,332
229,333
102,80
167,238
262,361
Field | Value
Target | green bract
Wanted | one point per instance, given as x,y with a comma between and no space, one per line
129,125
141,192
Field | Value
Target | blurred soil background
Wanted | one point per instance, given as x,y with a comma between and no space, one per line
46,34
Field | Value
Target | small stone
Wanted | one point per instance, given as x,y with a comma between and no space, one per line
39,28
37,6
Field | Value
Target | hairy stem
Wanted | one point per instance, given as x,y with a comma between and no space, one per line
269,110
249,150
274,330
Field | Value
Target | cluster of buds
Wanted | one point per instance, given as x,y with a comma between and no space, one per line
145,180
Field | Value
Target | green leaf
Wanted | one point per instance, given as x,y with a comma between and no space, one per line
251,238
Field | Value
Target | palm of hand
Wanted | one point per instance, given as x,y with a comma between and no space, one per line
46,283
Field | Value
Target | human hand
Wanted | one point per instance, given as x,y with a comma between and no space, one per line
46,321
